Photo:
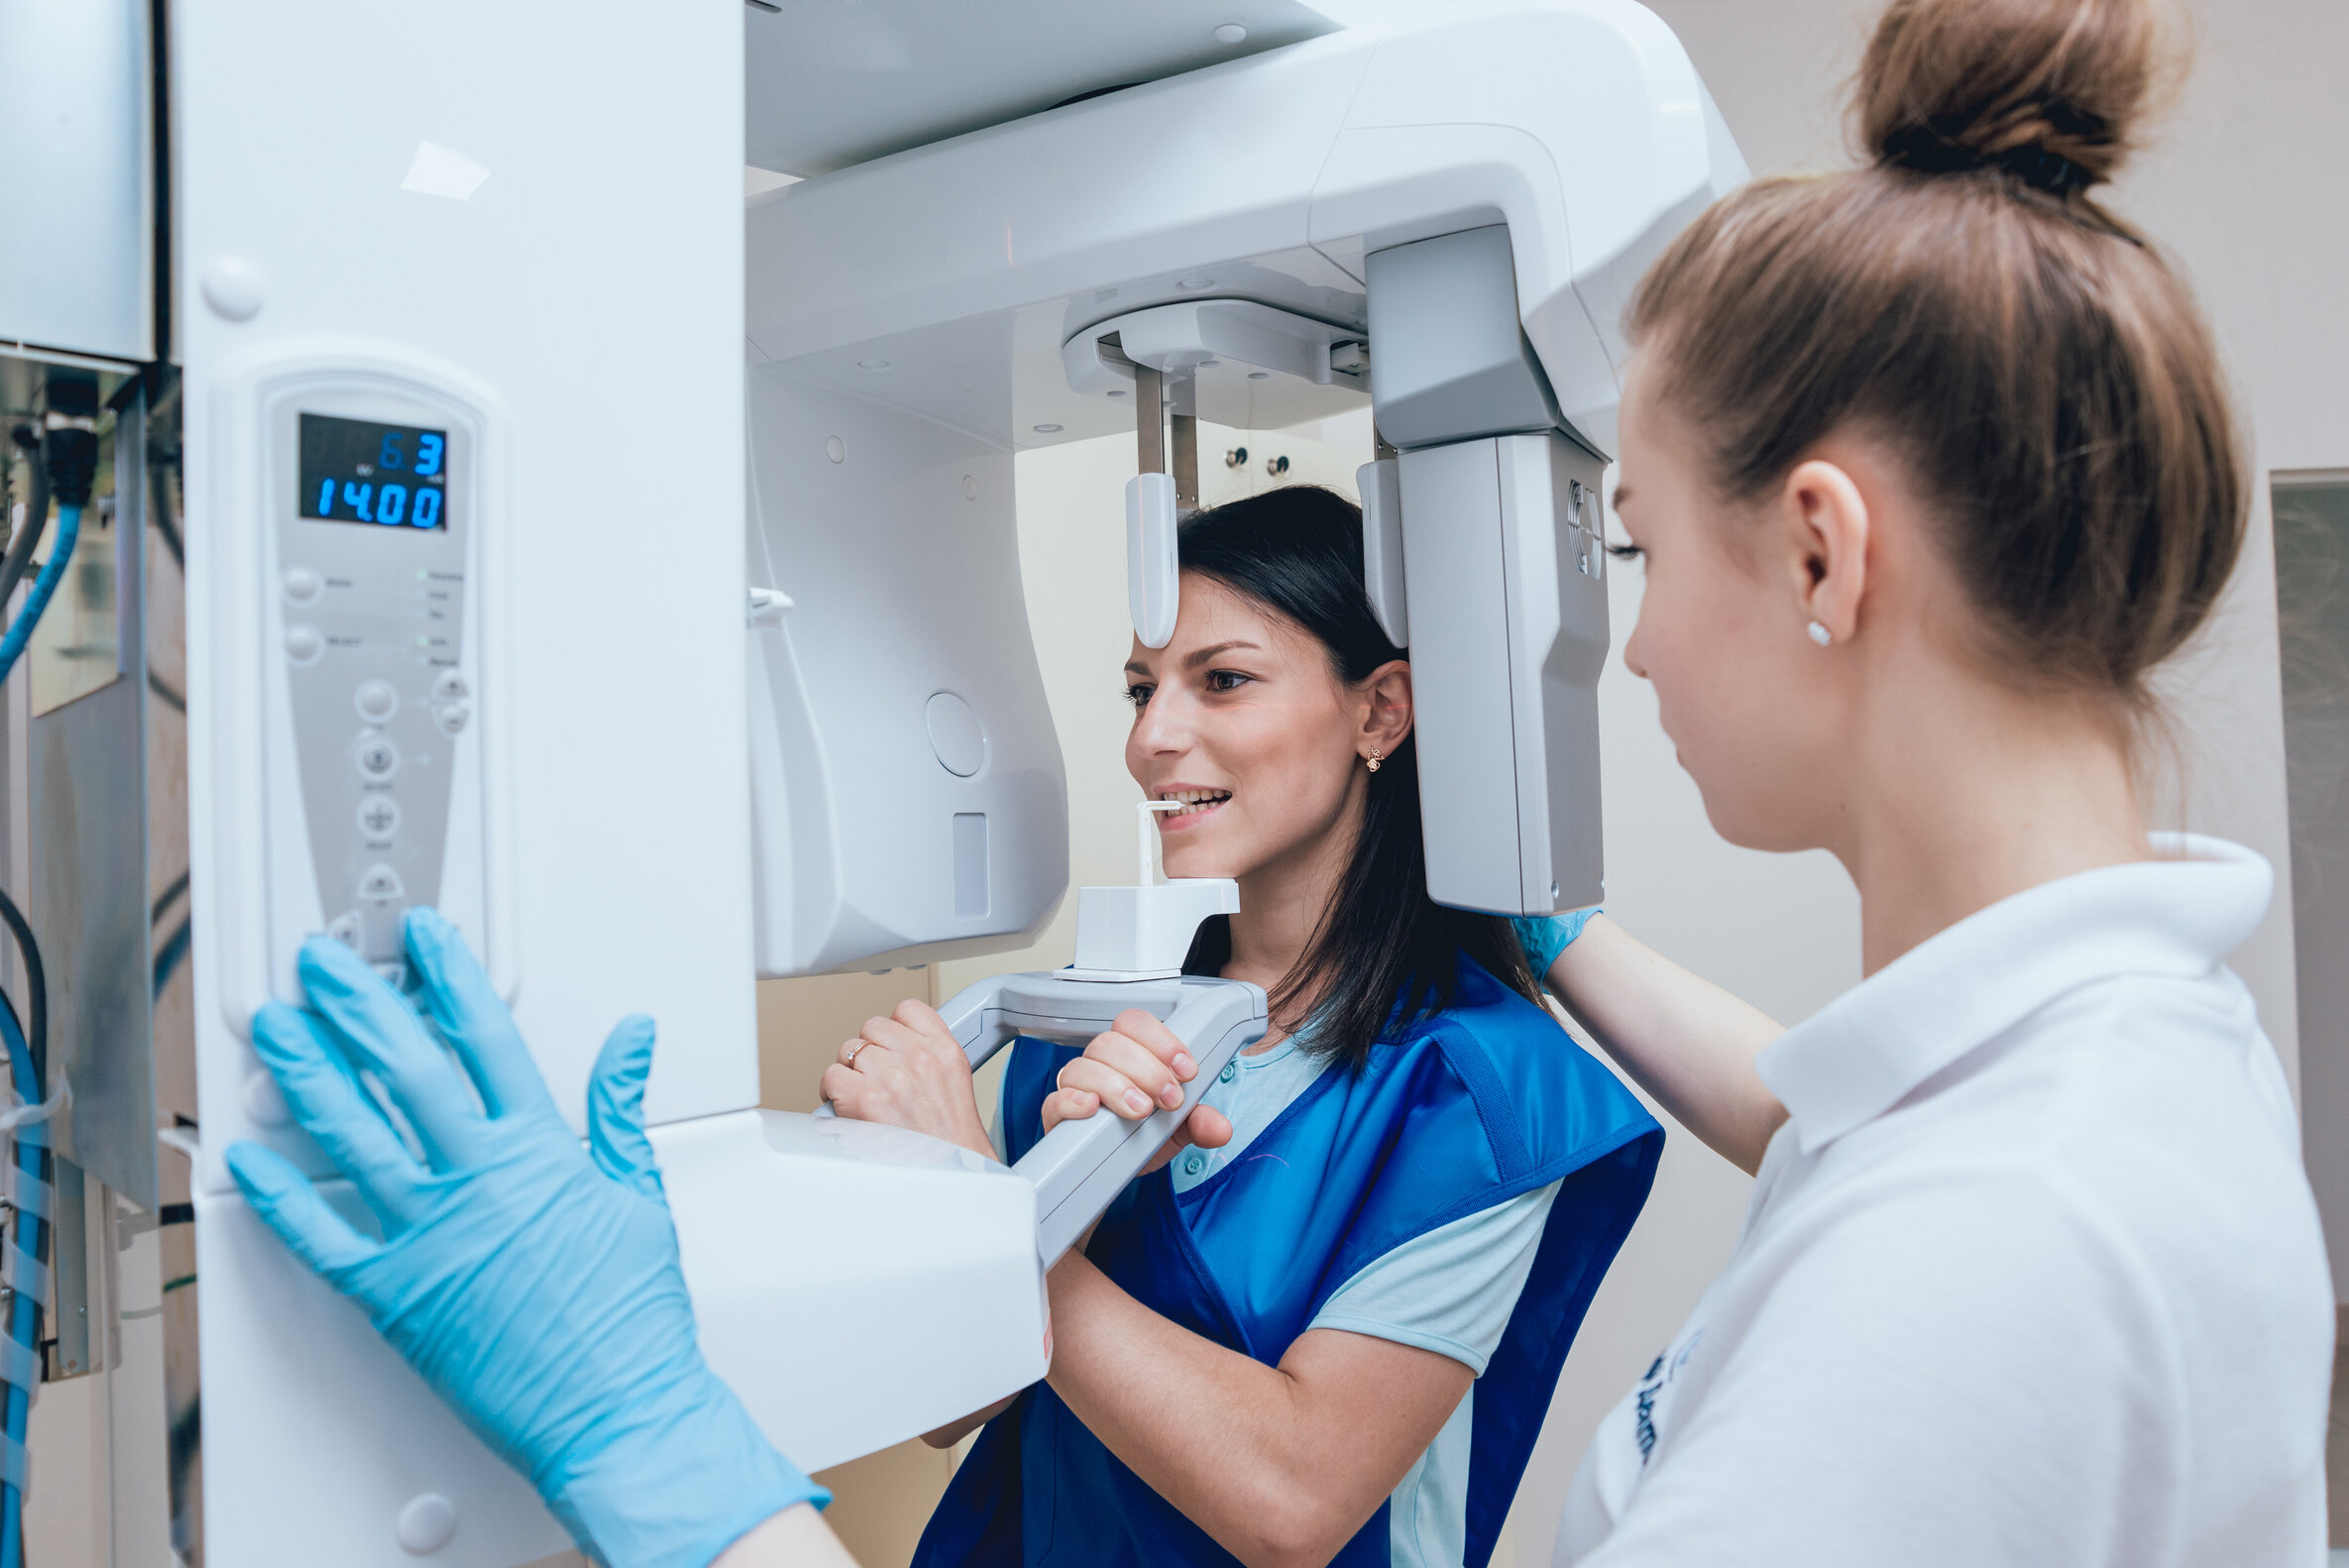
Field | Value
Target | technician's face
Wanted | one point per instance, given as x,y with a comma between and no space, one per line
1241,714
1713,640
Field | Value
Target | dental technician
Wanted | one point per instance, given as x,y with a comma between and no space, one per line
1931,465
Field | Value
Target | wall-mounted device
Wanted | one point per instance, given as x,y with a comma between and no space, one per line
359,734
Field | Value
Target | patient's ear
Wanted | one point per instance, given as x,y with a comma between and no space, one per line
1387,710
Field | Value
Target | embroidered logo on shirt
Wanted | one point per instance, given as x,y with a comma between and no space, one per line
1652,1384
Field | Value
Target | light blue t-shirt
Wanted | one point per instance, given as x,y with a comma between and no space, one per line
1450,1291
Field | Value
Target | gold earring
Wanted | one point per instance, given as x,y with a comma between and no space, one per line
1375,755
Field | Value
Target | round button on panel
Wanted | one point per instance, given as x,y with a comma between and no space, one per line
376,701
347,929
379,817
449,686
303,645
377,756
427,1525
301,584
452,716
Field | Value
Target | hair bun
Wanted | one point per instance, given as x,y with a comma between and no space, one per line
2050,91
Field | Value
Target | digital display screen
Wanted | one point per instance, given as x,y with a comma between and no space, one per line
391,474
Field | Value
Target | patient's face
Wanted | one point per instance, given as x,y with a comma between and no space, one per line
1242,714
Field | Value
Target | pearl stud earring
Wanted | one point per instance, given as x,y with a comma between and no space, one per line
1819,634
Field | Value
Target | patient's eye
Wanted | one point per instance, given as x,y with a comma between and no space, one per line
1137,694
1226,680
1625,552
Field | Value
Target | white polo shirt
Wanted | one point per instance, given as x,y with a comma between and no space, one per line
2031,1277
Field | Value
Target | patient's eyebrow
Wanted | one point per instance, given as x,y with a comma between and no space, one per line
1195,660
1203,655
1623,493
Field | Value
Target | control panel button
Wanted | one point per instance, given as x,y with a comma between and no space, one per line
377,756
379,884
347,929
451,717
449,686
376,701
303,645
301,584
379,817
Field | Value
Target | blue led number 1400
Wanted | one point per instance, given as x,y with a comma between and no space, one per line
388,475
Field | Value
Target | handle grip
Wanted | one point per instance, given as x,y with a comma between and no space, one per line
1078,1167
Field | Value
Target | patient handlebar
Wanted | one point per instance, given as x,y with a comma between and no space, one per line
1079,1167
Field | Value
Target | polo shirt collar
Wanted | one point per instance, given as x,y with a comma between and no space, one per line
2180,914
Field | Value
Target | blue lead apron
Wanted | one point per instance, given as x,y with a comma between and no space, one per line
1485,1101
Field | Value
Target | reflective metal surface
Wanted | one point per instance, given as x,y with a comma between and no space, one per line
86,795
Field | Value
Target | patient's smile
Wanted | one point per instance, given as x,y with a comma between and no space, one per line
1202,803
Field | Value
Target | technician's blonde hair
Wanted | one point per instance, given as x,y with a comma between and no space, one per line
2036,364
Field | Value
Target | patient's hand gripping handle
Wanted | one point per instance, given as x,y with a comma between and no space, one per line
1081,1166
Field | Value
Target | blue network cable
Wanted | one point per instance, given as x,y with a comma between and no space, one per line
52,571
22,1356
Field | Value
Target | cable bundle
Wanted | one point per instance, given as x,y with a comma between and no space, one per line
70,460
24,1257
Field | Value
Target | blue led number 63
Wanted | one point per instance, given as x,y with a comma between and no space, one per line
390,456
430,445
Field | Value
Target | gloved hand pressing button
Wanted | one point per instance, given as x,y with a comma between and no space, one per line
532,1282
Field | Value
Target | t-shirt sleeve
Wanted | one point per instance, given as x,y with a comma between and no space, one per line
1452,1289
1921,1386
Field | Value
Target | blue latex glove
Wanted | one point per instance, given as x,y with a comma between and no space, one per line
534,1288
1544,937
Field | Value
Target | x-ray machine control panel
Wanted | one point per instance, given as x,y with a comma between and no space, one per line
375,708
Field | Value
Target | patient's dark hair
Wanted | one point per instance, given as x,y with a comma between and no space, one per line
1385,956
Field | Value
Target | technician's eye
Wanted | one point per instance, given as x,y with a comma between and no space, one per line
1139,696
1226,680
1625,552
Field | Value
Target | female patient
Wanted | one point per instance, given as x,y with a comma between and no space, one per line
1276,1347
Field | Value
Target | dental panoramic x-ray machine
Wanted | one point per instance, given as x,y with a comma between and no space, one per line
481,359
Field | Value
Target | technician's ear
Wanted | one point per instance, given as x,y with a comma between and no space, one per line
1387,715
1827,526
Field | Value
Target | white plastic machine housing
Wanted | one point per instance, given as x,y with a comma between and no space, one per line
954,286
